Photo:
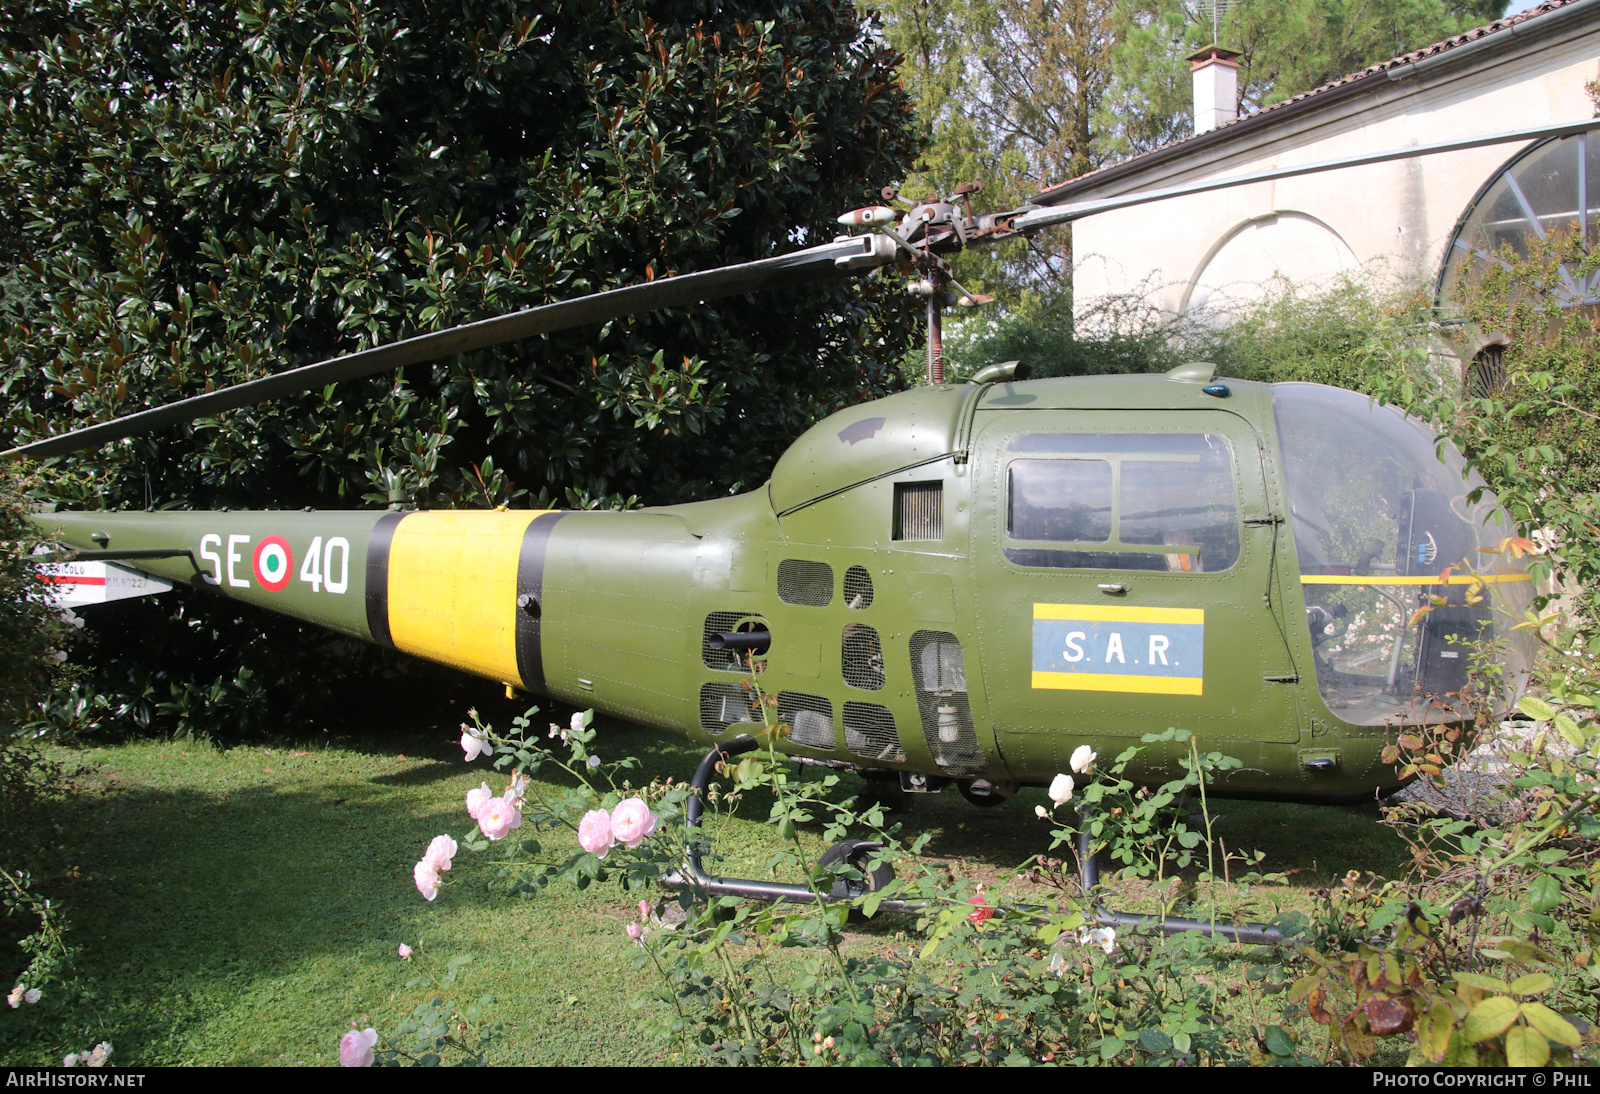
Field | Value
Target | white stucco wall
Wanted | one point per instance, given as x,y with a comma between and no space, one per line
1208,248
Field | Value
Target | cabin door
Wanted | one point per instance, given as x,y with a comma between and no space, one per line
1124,564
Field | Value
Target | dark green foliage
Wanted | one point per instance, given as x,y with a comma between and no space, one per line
1321,334
194,197
1116,337
29,627
1532,432
30,631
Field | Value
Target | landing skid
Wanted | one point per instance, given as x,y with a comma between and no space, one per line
858,853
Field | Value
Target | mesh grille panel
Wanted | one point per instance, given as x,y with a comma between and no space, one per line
861,657
728,660
919,510
809,584
811,719
858,587
941,681
722,705
869,732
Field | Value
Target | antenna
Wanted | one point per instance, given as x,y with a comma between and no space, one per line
1216,9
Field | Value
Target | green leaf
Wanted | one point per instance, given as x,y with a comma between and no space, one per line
1526,1048
1551,1025
1490,1018
1483,983
1569,731
1544,893
1434,1028
1534,983
1154,1040
1278,1042
1537,709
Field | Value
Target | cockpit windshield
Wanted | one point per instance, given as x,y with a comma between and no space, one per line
1406,590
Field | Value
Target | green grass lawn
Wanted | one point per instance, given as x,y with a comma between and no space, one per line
244,906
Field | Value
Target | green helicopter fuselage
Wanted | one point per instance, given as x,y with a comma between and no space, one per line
959,582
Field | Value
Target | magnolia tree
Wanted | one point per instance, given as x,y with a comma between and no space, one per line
191,198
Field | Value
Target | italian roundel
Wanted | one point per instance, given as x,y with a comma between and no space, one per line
273,563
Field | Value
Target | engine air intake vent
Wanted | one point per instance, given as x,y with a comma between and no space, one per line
808,584
858,588
918,510
941,681
810,718
869,733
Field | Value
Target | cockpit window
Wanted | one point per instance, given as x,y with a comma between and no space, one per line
1122,501
1379,512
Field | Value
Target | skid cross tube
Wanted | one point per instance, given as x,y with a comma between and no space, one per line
1251,934
754,888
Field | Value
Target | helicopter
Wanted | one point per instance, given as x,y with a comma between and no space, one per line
958,584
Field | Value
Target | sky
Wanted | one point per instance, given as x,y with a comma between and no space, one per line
1520,5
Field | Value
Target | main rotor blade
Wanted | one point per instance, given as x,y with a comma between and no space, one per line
1044,216
820,263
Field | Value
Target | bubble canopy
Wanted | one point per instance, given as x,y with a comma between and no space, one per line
1380,510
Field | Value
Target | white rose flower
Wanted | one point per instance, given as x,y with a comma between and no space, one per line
1083,758
1061,789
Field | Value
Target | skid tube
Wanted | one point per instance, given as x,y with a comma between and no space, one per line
1250,934
855,852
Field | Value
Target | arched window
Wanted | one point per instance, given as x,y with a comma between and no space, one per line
1551,187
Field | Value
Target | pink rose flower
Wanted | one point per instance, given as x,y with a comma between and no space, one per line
518,787
636,933
405,952
477,799
473,744
594,832
499,817
632,821
644,909
427,878
440,852
355,1047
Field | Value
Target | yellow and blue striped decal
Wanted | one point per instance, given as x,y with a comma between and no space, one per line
451,588
1392,579
1095,647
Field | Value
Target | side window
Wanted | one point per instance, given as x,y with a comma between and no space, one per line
1122,501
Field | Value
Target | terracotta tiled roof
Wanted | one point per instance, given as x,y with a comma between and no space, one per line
1057,191
1416,55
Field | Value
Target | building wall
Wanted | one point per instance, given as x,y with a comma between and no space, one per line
1207,249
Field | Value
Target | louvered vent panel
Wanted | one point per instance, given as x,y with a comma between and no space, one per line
808,584
918,510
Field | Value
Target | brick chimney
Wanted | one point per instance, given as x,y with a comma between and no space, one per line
1216,87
